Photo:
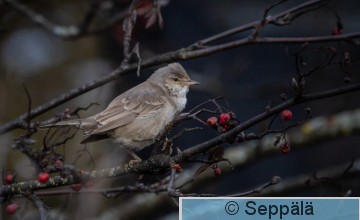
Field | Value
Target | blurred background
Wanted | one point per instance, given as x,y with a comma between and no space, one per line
251,77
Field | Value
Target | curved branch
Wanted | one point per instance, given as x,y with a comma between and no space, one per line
159,163
274,19
181,54
188,153
190,52
241,155
302,181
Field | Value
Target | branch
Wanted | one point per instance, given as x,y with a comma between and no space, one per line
274,19
72,31
182,54
44,213
244,154
265,19
310,179
188,153
160,163
275,180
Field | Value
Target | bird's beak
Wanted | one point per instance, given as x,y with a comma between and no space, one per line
192,82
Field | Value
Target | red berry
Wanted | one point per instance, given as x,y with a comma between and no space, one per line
285,148
76,187
177,167
9,179
286,115
224,118
43,177
212,122
217,171
11,209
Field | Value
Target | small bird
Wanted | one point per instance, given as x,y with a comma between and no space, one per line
136,117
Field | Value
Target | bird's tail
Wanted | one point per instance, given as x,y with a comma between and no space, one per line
78,123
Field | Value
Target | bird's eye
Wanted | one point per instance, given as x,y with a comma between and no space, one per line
176,79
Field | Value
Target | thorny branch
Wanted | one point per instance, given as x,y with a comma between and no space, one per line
115,192
161,163
193,51
300,138
289,184
50,141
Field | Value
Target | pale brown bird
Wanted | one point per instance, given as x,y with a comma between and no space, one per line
136,117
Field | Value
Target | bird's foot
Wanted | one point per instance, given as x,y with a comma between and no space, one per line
137,159
133,162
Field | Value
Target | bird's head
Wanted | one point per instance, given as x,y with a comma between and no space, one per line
174,77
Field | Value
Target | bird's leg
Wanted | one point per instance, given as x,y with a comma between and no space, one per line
167,146
137,159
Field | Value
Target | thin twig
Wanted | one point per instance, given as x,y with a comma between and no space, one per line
275,19
43,210
275,180
264,21
170,187
71,31
29,107
182,54
184,131
159,163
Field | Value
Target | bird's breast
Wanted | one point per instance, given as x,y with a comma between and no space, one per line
178,98
180,104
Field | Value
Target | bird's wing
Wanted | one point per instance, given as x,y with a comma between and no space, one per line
126,107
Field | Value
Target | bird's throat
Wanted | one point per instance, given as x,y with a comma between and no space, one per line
177,90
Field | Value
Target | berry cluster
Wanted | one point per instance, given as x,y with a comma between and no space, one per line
10,179
225,122
42,177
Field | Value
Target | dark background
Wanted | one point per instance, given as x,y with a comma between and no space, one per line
249,76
